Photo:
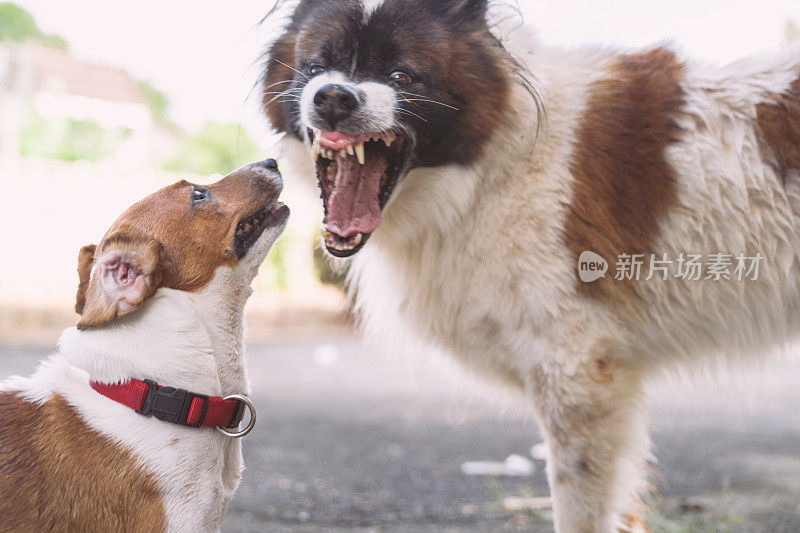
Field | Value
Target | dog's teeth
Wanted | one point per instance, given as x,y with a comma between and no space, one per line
326,234
331,174
388,141
362,158
350,150
315,148
342,153
358,239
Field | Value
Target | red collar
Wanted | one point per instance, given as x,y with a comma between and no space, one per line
178,406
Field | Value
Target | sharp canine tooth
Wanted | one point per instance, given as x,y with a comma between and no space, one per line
350,150
388,141
358,239
315,149
360,153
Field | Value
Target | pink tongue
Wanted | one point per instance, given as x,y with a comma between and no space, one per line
353,205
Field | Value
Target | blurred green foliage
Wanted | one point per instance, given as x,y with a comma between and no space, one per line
69,139
18,25
273,274
158,103
217,149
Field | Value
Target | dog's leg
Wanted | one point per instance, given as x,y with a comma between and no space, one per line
595,426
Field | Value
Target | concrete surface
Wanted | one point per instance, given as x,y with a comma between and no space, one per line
348,439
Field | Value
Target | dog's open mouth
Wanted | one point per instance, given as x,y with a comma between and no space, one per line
357,174
249,229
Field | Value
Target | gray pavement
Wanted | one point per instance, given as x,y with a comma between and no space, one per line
349,439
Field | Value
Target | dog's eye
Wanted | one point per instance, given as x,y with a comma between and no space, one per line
199,194
400,77
315,70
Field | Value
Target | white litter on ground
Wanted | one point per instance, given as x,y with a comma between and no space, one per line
515,504
514,465
539,451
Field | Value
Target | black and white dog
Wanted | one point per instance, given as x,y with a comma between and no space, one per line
481,166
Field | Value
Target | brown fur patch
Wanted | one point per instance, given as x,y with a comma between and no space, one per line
277,78
623,182
778,122
85,261
58,474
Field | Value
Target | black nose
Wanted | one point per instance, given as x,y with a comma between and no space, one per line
270,164
335,103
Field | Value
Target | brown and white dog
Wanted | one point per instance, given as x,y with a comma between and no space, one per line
481,165
161,298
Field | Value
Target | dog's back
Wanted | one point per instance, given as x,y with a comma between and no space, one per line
59,474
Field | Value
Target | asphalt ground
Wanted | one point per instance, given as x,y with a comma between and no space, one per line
349,439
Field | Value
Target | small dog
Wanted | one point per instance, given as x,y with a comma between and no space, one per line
511,192
161,300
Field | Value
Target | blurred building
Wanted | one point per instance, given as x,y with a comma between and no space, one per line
56,87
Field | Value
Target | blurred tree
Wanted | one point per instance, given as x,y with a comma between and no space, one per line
273,273
69,139
217,149
159,105
17,25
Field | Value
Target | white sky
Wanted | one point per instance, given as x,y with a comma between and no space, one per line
202,54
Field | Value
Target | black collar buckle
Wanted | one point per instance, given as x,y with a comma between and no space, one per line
171,405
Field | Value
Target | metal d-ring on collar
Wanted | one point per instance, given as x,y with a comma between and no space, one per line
239,434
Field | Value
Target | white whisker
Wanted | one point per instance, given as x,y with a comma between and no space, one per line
291,67
407,112
278,83
293,93
431,101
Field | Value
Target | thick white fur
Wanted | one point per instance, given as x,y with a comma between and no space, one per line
180,339
472,261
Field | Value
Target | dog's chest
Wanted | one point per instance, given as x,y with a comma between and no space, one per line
480,294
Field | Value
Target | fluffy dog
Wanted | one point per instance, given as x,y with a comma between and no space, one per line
565,222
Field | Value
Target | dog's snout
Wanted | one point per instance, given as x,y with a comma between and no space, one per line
266,168
335,103
264,172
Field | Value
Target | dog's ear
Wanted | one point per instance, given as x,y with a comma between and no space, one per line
127,269
467,9
85,262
